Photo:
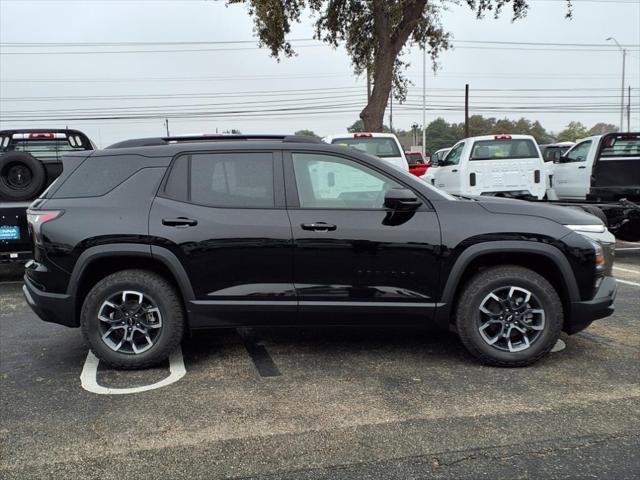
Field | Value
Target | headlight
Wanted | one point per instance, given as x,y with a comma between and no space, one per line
587,228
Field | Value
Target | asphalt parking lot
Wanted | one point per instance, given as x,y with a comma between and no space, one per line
322,404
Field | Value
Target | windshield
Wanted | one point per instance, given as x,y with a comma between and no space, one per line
503,149
382,147
621,146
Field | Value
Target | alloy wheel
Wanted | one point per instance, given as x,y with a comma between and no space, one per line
511,319
130,322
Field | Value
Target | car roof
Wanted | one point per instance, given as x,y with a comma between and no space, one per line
360,135
493,137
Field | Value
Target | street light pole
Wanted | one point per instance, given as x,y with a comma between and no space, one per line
424,100
624,58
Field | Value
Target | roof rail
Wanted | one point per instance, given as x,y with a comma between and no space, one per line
157,141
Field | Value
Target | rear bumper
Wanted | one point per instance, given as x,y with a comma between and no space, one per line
601,306
50,307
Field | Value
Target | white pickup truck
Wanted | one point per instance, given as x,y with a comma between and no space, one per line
497,165
383,145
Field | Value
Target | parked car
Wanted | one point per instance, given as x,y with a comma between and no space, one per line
324,235
417,164
30,161
497,165
382,145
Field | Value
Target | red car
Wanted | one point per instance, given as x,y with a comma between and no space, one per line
417,164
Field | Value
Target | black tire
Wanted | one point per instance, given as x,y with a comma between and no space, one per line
22,177
152,286
468,316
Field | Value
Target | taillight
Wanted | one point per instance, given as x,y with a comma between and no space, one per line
37,218
472,179
362,135
503,136
41,135
536,176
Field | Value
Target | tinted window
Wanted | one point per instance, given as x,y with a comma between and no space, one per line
98,175
503,149
243,180
325,181
177,182
379,146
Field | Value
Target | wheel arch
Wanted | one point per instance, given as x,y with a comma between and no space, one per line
97,262
544,259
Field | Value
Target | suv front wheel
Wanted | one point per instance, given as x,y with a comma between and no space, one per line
509,316
132,319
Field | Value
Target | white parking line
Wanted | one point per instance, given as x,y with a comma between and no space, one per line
89,376
627,249
626,282
626,270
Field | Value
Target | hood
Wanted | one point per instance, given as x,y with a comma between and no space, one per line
561,214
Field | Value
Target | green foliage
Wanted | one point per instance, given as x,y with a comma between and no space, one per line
573,132
306,133
358,126
374,34
602,128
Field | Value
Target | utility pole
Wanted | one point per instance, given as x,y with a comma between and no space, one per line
424,101
629,110
466,110
624,58
166,124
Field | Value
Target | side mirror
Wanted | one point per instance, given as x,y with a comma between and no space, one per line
401,199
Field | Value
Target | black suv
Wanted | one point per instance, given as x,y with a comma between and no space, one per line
30,161
147,239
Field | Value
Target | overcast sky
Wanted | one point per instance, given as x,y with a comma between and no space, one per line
316,89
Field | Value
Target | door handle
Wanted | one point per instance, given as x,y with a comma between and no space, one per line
318,227
454,170
179,222
582,167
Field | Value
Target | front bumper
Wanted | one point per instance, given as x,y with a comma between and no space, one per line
582,314
50,307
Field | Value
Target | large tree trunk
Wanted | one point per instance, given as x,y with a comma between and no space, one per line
389,45
373,114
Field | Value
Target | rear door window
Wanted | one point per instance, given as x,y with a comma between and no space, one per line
236,180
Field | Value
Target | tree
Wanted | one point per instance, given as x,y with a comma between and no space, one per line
306,133
373,32
602,128
358,126
573,132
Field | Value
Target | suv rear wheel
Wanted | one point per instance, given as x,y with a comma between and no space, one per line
132,319
510,316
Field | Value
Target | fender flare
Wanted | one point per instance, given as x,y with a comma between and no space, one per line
480,249
164,255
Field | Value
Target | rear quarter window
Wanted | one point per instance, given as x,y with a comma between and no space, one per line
621,146
98,175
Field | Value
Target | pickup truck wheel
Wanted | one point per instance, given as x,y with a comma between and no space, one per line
132,319
510,317
22,176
